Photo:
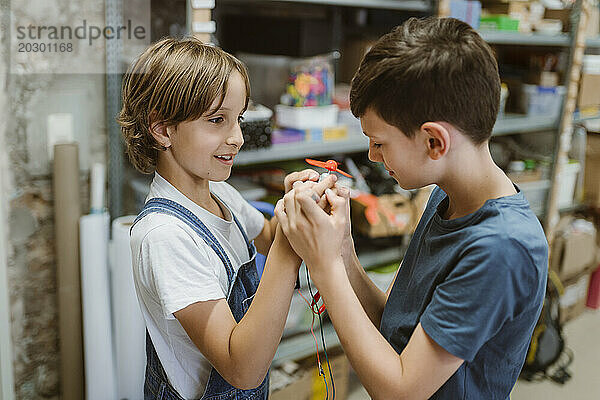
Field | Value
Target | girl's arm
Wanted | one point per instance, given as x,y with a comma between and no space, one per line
242,352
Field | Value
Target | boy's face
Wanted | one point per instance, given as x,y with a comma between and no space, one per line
402,156
205,148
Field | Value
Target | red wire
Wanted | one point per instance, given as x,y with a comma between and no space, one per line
311,329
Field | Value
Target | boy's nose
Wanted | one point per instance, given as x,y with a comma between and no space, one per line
374,155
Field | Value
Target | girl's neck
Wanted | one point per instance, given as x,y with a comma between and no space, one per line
195,189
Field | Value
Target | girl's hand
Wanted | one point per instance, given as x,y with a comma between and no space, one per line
301,176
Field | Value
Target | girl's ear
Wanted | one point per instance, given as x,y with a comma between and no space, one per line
438,139
159,131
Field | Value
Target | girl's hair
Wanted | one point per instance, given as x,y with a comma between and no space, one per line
175,80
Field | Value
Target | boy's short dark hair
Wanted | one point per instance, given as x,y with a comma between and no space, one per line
177,79
432,69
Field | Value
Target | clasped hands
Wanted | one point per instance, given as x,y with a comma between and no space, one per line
315,218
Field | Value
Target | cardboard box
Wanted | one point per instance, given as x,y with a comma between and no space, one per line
573,251
589,95
383,216
591,185
572,302
310,385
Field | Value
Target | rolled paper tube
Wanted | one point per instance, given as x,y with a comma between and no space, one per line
67,210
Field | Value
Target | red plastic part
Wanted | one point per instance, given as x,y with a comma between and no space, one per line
593,299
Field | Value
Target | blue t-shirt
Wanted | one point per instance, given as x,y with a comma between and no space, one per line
476,284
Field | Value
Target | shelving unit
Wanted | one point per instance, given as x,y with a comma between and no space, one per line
357,142
407,5
303,345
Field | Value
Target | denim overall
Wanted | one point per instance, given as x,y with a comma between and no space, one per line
242,287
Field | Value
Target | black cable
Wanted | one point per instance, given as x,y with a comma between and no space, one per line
327,358
322,337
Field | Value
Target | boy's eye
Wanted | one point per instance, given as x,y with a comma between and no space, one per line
216,120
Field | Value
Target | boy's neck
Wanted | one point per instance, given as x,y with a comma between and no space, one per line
197,190
473,180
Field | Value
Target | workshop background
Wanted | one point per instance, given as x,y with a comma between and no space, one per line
70,327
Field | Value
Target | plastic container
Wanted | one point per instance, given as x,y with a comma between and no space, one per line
311,82
568,180
540,100
306,117
536,193
499,23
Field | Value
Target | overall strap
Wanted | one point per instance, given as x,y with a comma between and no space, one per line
239,225
170,207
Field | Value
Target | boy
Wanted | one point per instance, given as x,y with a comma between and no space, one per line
456,321
212,330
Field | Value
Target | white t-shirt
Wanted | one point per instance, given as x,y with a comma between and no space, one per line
173,267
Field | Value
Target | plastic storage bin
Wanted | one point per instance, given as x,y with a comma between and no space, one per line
568,180
535,193
540,100
306,117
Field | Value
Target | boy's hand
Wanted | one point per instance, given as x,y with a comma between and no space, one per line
301,176
315,235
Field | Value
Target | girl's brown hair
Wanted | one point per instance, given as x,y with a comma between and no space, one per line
175,80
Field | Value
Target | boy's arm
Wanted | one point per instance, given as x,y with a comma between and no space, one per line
418,372
242,352
371,298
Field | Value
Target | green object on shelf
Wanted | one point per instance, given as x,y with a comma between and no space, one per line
529,165
499,22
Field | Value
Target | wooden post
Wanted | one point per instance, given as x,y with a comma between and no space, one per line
563,144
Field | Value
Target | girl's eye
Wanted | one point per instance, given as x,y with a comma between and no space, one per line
377,145
216,120
240,119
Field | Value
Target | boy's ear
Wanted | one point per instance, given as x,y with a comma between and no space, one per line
438,139
159,131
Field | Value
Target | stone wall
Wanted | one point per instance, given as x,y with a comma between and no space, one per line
30,229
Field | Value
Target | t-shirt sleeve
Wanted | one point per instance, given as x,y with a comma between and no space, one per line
181,269
486,289
252,219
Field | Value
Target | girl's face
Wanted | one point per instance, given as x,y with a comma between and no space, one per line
205,148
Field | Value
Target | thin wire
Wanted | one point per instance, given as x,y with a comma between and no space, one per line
321,326
327,358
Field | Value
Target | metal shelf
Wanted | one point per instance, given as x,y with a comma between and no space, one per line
578,118
408,5
356,142
531,39
593,42
303,345
514,123
374,258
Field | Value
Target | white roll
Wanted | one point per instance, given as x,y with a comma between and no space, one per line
97,181
95,298
129,326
